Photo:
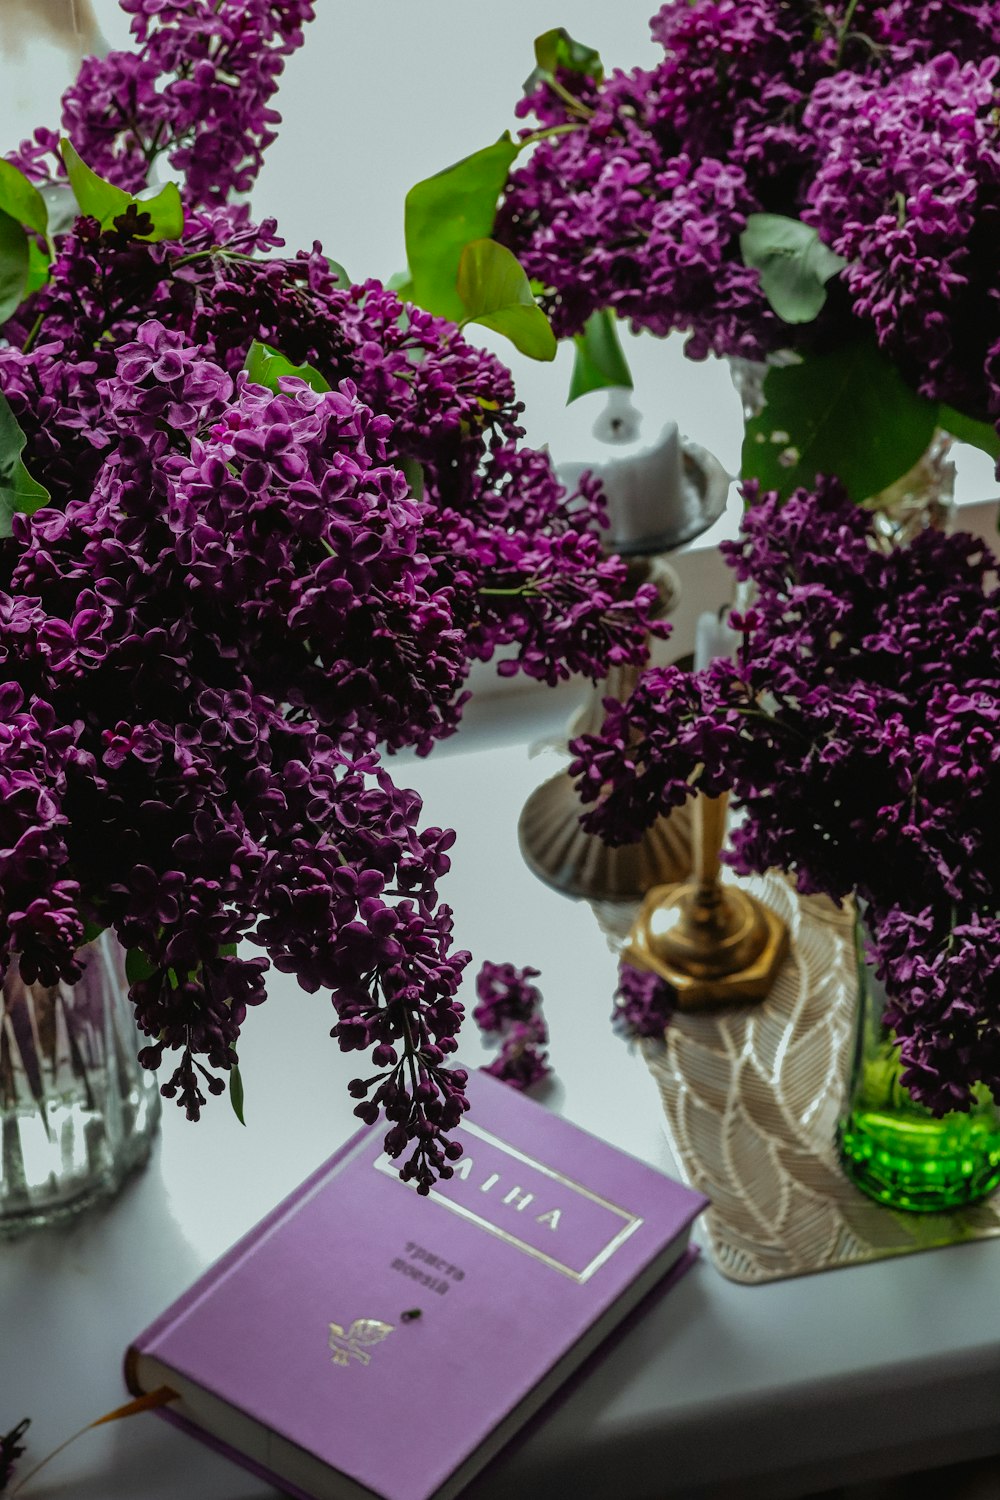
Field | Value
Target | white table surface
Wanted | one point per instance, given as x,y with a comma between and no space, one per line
715,1390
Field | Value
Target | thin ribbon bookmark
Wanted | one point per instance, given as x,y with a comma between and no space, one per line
162,1396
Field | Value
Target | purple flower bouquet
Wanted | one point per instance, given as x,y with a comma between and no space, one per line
858,733
256,525
821,178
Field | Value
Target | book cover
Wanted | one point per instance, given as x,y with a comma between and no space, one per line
362,1340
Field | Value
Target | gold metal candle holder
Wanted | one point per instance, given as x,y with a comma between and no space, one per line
714,944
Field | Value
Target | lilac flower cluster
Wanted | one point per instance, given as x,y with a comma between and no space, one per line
512,560
905,188
239,596
196,91
871,121
643,1004
509,1010
858,732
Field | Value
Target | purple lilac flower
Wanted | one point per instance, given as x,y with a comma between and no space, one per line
873,122
521,1062
221,809
506,995
197,91
511,558
644,1003
908,170
857,731
509,1011
238,597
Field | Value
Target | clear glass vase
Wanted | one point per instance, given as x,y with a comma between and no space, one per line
893,1148
77,1112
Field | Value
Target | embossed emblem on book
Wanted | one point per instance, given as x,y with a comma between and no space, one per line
363,1335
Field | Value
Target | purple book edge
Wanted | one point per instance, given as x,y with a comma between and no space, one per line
674,1275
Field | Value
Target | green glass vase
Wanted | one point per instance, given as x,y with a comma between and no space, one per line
893,1148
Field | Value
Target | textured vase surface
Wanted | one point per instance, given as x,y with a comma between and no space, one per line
77,1112
893,1148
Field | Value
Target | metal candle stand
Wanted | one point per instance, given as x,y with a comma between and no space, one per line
553,844
714,944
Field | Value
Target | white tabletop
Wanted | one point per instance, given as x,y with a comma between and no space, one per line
713,1390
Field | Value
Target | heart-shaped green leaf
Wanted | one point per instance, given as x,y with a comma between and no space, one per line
555,50
105,202
14,264
265,366
401,283
18,491
39,267
495,292
600,362
793,262
21,199
443,214
138,966
982,435
61,206
848,413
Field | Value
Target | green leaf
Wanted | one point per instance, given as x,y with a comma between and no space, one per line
21,199
138,966
340,276
413,469
557,49
401,283
39,266
61,206
793,262
265,366
18,491
104,202
600,362
13,266
848,413
445,213
236,1092
495,292
982,435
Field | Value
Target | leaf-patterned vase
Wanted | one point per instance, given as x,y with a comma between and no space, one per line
77,1112
893,1148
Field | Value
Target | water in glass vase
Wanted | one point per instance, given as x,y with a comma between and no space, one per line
893,1148
77,1112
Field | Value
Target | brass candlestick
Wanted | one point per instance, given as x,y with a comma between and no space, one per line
713,943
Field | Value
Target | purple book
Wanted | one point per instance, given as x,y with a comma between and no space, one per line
363,1340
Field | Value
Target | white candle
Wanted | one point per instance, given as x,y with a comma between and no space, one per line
645,491
647,497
